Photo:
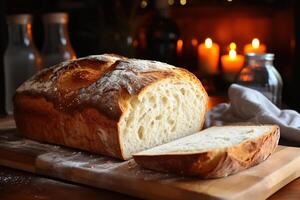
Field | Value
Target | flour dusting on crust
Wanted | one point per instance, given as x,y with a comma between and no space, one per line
116,75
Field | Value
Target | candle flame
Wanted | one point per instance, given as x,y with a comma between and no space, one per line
232,53
170,2
144,4
179,46
183,2
255,43
208,43
232,46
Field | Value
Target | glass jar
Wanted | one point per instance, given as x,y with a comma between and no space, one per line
21,58
57,46
260,74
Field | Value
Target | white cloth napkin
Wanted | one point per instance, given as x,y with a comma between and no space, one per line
248,105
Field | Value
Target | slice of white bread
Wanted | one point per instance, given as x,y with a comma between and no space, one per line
214,152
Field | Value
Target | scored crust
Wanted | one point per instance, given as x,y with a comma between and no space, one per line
80,103
214,163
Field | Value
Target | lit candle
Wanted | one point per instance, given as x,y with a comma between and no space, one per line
208,57
232,63
255,47
179,47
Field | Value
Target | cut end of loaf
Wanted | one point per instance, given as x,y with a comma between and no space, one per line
168,110
214,152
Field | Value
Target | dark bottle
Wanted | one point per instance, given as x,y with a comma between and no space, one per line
57,46
162,35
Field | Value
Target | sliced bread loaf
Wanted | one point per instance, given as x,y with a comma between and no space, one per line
214,152
110,105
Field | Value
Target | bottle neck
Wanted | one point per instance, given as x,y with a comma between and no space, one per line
259,62
56,34
19,35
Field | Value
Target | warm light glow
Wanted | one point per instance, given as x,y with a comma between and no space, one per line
232,54
208,43
144,4
194,42
208,57
170,2
29,29
255,43
179,46
135,43
232,46
179,43
183,2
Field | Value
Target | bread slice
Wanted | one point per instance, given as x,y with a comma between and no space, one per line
214,152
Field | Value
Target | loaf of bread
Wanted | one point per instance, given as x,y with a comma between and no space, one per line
214,152
110,105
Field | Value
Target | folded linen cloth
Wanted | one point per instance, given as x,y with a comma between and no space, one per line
248,105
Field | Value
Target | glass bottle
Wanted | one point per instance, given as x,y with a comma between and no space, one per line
21,59
57,46
162,35
260,74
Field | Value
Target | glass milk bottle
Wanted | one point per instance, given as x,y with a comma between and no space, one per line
260,74
21,59
57,46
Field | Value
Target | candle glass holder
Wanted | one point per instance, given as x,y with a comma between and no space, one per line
260,74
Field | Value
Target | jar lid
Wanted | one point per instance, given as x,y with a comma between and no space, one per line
260,56
59,17
19,19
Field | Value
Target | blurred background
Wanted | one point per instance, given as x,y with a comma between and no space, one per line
171,31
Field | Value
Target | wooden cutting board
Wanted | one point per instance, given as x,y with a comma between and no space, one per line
126,177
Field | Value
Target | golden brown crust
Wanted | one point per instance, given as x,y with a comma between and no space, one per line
79,103
37,118
217,163
97,81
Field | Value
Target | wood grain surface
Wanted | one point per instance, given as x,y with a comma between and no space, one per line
126,177
20,185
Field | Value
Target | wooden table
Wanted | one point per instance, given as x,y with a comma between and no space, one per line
15,184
